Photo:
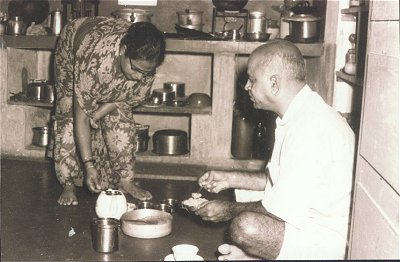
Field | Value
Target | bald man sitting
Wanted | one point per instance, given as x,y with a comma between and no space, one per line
299,206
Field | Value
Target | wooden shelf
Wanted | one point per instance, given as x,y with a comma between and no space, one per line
354,10
46,42
175,110
163,109
350,79
173,45
31,103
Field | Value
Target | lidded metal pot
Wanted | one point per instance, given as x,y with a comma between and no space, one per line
40,136
16,26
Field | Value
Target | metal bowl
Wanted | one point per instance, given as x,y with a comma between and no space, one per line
199,100
174,203
164,207
146,205
257,37
146,223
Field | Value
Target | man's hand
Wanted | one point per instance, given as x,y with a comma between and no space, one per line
92,181
214,181
215,210
231,252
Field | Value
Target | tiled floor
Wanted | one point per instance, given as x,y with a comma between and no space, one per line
35,228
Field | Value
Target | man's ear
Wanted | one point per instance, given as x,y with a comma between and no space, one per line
275,84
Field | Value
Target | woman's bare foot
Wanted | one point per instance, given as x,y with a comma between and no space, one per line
68,196
135,191
231,252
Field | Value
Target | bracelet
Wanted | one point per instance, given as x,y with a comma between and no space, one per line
91,166
87,161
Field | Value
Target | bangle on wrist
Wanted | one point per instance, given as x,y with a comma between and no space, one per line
91,166
88,161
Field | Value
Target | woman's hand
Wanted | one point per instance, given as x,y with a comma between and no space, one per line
214,181
91,180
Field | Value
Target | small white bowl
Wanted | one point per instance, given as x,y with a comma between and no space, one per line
185,252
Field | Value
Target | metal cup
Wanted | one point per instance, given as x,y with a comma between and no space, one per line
105,234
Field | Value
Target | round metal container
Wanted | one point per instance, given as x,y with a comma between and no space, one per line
105,234
304,27
190,17
133,15
40,136
177,87
170,142
146,223
164,95
40,90
257,22
142,138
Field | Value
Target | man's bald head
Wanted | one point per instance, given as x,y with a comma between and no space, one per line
288,58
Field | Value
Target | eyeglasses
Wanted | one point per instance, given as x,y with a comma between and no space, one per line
141,71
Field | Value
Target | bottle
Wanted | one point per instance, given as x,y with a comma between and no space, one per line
242,137
350,65
260,145
273,29
56,21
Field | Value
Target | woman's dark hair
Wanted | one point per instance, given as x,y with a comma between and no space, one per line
144,41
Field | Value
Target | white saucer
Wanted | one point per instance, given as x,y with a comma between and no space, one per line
170,257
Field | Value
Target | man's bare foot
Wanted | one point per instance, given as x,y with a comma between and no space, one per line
231,252
135,191
68,196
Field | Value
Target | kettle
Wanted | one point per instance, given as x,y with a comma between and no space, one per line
16,26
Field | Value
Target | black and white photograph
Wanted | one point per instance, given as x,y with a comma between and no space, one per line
199,130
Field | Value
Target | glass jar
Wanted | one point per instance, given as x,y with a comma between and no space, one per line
350,65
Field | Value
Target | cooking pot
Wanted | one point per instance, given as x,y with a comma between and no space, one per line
40,90
40,136
133,15
229,5
170,142
15,26
191,19
304,27
164,95
177,87
142,137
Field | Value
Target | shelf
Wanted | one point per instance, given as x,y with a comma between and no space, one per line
175,110
46,42
237,47
38,148
350,79
162,109
354,10
173,45
31,103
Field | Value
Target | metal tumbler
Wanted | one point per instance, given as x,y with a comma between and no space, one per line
56,22
105,234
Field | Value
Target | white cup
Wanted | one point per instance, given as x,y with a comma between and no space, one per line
185,252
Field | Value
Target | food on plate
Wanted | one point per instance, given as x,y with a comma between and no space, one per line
194,202
196,195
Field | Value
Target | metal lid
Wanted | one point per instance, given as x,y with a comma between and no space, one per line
303,18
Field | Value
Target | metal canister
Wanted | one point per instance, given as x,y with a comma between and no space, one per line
257,22
56,21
